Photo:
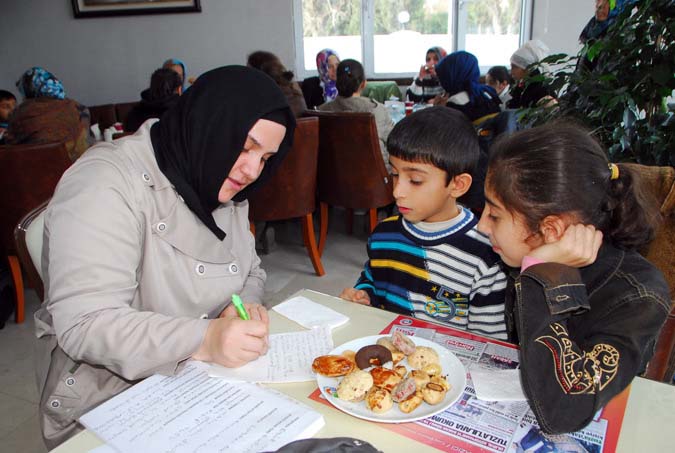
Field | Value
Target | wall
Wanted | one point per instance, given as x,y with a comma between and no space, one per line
558,23
103,60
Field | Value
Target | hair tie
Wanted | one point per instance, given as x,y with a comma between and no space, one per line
614,171
348,69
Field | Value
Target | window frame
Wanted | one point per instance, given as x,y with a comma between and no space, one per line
368,39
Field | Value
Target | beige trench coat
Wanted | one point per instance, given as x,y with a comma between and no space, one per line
130,274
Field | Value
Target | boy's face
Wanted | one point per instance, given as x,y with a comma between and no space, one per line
7,106
421,191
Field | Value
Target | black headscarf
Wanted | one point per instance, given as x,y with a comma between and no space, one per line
198,141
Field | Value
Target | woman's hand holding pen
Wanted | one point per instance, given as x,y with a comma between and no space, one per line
233,342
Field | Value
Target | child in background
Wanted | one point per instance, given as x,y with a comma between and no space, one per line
7,106
586,308
431,262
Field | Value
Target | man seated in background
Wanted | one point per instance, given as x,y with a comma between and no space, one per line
166,86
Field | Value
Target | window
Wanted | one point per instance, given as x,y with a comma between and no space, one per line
391,36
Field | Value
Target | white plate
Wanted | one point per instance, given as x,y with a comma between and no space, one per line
450,364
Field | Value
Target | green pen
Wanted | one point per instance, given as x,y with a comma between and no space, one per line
239,306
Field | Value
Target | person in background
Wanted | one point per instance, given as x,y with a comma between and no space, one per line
147,238
271,65
499,79
47,116
426,86
583,305
528,94
318,90
7,106
431,262
459,76
180,68
350,83
165,88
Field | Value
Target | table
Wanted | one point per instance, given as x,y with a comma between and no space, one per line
647,424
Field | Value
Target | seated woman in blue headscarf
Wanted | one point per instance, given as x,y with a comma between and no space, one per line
47,116
459,76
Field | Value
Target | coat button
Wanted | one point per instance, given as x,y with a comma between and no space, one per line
55,404
200,269
204,316
161,227
70,382
234,268
146,177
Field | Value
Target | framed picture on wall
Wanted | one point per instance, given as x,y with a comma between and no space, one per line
102,8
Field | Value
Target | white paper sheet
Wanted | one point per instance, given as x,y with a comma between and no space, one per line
310,314
194,413
105,448
289,359
497,385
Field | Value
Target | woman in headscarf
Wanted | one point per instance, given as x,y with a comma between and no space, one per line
271,65
459,76
147,239
318,90
426,86
47,116
527,94
179,67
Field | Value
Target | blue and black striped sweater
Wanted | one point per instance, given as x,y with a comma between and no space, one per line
451,276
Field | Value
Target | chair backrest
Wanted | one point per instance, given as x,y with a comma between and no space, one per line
122,110
291,191
351,170
28,235
660,182
103,115
28,177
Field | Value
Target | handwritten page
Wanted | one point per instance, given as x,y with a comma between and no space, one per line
192,412
310,314
289,359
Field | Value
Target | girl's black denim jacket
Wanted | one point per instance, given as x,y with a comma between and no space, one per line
584,334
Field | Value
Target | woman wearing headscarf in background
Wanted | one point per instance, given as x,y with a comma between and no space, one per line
426,86
180,68
147,239
47,116
459,76
527,94
318,90
606,14
271,65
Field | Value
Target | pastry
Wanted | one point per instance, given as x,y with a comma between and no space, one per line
354,386
332,365
422,357
378,400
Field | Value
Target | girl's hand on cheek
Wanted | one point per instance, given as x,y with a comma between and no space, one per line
578,247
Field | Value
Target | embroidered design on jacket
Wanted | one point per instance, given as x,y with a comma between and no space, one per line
576,373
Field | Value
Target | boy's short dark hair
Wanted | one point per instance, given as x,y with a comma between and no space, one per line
4,94
440,136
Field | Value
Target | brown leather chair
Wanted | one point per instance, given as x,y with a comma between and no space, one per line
660,181
291,191
28,238
103,115
122,110
351,170
28,176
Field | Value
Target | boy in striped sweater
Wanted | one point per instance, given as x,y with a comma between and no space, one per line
430,261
